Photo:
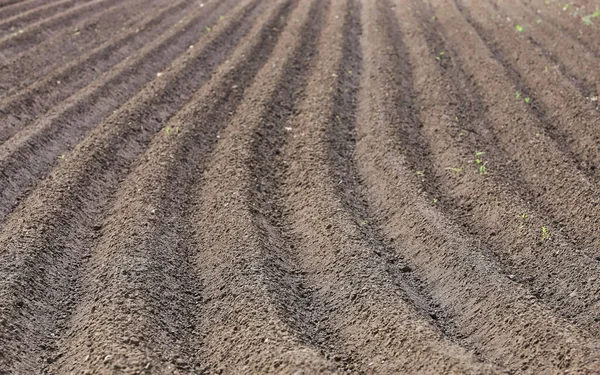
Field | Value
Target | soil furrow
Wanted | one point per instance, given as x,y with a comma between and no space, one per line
489,202
5,3
299,187
577,20
64,207
571,57
24,107
14,24
353,289
495,315
12,44
157,240
565,114
27,157
22,7
228,332
225,201
554,179
59,50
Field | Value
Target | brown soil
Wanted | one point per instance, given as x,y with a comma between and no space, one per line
299,187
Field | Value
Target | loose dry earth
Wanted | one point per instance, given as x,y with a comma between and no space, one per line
299,187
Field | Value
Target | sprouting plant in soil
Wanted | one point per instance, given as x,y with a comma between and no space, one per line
517,95
527,100
480,163
435,200
545,233
440,56
524,219
173,130
588,19
520,28
538,21
208,29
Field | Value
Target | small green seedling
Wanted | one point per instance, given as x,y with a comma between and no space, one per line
517,95
169,130
538,21
545,233
208,29
440,56
527,100
520,28
481,164
455,170
435,200
421,173
588,19
546,68
221,18
524,219
62,157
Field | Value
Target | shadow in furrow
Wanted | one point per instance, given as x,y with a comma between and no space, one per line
44,251
156,246
32,153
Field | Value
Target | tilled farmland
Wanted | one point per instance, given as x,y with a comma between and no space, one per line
299,187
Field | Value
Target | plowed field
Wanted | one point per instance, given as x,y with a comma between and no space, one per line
299,187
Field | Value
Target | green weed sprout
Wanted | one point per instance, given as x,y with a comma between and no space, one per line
524,218
588,19
538,21
169,130
208,29
440,56
527,100
517,95
480,163
545,233
435,200
520,28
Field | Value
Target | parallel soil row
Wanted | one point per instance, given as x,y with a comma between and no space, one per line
299,187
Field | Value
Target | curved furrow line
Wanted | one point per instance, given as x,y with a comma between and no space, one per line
565,114
30,154
136,267
178,159
17,23
5,3
253,269
495,315
237,225
39,271
59,50
572,58
561,189
11,45
367,312
489,204
572,20
24,107
19,8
